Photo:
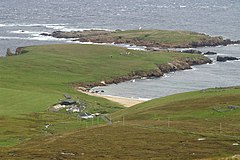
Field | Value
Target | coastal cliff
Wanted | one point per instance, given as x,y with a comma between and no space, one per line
161,69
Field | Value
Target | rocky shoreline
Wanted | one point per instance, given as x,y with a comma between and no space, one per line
226,58
181,64
101,36
119,37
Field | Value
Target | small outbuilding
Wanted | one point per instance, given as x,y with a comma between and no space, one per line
67,102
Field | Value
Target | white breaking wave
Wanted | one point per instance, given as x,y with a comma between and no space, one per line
69,29
55,27
193,68
130,47
213,63
166,76
78,42
33,33
144,99
233,61
7,25
162,6
202,7
30,25
8,38
59,27
183,6
222,54
46,38
38,38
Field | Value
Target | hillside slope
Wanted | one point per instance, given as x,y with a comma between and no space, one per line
194,125
36,79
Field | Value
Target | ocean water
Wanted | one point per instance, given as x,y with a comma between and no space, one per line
21,23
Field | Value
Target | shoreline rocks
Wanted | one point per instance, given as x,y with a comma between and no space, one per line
9,52
17,52
45,34
192,51
226,58
177,65
210,53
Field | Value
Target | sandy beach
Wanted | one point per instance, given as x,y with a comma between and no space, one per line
127,102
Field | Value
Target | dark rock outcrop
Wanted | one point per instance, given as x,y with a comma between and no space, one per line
9,52
60,34
45,34
192,51
229,41
226,58
210,53
211,41
18,50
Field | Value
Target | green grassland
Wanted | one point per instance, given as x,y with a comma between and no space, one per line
162,36
165,128
38,78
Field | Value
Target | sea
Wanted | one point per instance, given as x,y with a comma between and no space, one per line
22,22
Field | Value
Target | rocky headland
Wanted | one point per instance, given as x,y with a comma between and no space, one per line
148,38
151,39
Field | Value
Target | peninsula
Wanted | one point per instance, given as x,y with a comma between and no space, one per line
148,38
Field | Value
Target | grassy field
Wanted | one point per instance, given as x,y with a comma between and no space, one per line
182,126
34,81
162,36
165,128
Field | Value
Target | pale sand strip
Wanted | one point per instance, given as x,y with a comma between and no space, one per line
127,102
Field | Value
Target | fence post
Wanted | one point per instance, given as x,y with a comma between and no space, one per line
98,120
168,122
220,128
